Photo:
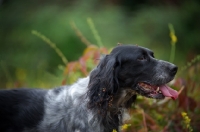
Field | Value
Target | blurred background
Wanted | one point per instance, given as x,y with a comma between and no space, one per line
28,61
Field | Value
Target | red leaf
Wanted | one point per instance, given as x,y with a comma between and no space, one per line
186,102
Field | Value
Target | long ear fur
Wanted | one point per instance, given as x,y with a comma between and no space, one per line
103,84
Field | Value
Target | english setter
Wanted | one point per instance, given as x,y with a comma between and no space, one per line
96,103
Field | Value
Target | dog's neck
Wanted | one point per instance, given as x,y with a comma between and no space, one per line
121,99
117,112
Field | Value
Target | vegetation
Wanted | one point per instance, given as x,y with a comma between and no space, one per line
84,34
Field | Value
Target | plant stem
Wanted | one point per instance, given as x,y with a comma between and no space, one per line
173,42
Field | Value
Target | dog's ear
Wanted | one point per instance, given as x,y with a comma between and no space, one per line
103,84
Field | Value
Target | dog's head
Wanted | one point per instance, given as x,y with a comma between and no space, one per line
132,68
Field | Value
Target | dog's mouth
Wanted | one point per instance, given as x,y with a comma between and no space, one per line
157,92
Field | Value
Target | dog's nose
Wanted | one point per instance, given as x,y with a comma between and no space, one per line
174,70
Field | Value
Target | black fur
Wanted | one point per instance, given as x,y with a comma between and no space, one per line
21,108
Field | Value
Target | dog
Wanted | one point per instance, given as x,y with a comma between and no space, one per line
97,103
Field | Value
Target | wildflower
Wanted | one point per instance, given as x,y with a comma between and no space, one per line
125,126
173,37
172,34
187,121
114,130
173,42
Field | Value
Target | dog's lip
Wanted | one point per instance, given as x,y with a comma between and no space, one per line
149,90
148,86
158,89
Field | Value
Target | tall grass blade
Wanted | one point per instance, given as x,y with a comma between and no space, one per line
52,45
193,61
95,33
79,34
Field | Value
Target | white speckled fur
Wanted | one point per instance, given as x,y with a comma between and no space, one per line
60,109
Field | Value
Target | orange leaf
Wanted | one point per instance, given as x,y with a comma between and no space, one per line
71,67
83,66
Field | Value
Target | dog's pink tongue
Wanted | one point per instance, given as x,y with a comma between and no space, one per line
169,92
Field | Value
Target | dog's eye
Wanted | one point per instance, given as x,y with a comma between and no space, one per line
141,58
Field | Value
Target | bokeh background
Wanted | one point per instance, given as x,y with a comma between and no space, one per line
26,60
